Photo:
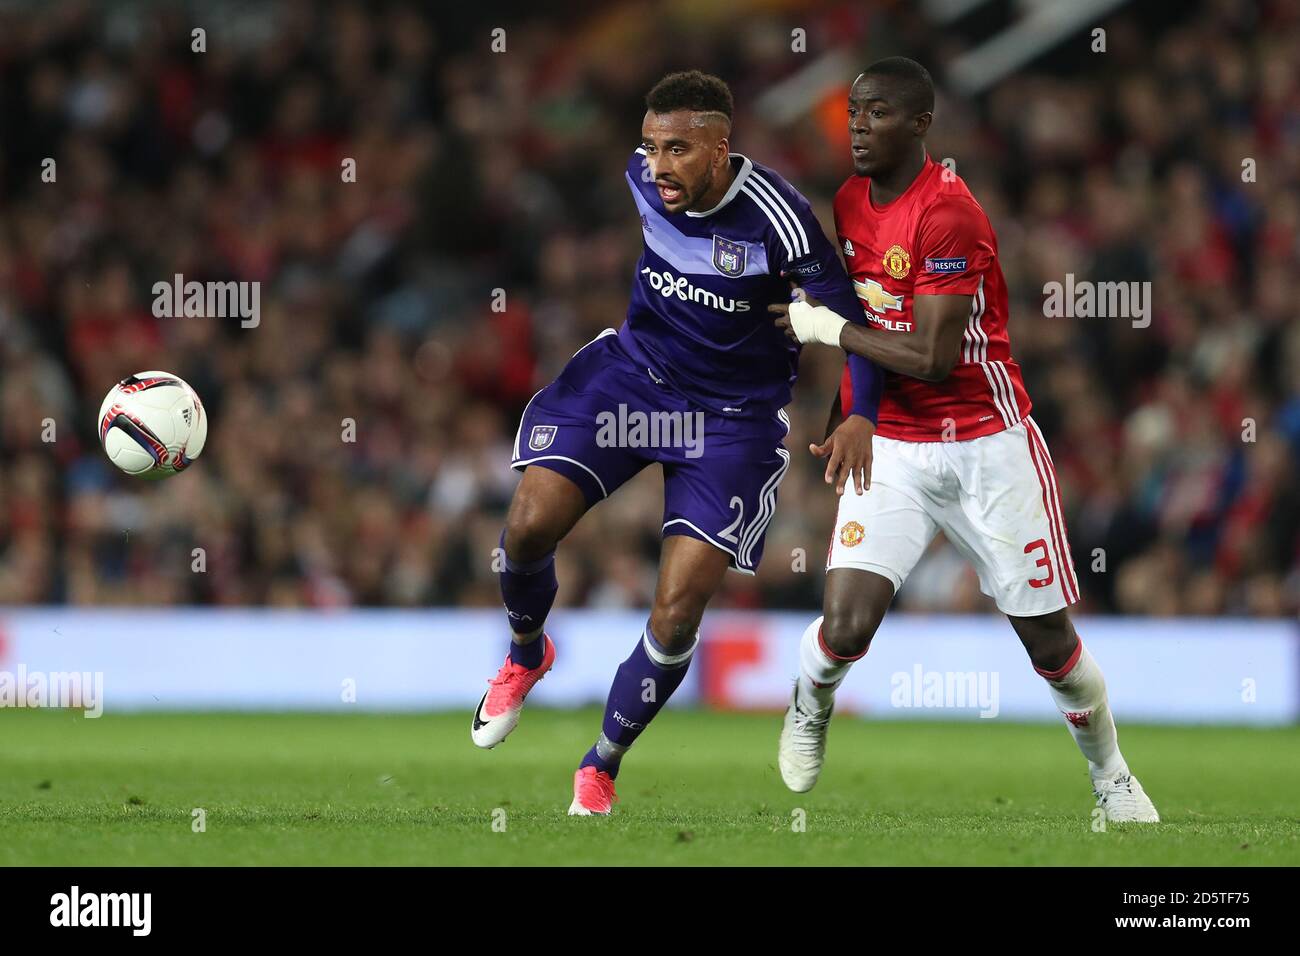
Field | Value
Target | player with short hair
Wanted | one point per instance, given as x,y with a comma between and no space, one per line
723,238
955,449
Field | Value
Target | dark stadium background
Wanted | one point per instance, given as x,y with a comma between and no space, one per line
304,695
481,171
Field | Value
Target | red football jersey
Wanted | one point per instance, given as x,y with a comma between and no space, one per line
934,239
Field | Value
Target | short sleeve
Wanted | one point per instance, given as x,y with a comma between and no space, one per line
955,246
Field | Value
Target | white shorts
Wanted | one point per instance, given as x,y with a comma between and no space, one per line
995,498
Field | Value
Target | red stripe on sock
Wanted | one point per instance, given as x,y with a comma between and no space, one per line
821,641
1064,668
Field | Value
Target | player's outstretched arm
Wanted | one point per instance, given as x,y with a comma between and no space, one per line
929,353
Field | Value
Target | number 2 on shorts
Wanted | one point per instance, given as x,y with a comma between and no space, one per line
726,533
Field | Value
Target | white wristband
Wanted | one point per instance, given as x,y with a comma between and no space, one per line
817,324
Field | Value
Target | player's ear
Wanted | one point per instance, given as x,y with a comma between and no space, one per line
722,153
921,123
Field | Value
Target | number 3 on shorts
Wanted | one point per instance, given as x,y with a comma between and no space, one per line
1043,562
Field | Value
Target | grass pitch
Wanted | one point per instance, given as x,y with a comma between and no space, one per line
699,788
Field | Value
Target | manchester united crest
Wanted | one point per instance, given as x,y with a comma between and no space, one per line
897,262
852,534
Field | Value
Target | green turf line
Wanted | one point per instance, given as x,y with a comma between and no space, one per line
699,788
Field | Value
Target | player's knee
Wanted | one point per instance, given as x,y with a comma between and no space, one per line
530,532
675,619
847,629
1049,639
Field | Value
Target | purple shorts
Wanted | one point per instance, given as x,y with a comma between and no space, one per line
603,420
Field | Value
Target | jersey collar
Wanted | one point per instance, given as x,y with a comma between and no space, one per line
746,167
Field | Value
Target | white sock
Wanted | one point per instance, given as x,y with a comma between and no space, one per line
1079,690
820,671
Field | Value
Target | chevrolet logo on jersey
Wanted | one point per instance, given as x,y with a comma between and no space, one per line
874,295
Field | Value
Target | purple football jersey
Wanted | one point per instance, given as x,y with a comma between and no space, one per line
697,318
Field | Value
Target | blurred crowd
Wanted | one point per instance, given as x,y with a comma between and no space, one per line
361,432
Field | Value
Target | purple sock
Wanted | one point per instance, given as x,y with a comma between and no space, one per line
528,590
642,685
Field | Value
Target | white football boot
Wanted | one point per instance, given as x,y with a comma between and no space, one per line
1124,800
803,743
498,712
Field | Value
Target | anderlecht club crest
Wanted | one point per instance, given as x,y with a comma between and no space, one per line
541,437
728,257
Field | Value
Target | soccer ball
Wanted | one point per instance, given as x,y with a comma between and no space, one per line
152,425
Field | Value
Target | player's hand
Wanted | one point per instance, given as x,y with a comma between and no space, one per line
848,453
806,320
782,312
